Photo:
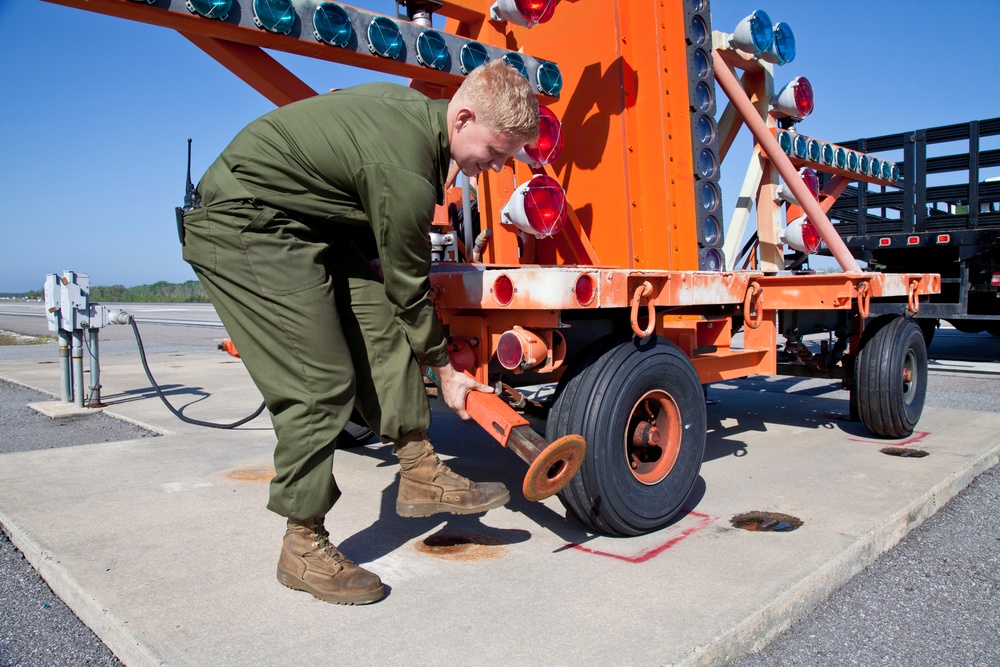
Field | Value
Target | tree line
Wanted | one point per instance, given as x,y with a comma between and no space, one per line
162,291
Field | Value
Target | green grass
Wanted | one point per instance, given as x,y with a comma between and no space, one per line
11,338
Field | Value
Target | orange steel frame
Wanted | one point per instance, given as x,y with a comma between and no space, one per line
628,174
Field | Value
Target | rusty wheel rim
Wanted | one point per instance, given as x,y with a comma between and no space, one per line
653,437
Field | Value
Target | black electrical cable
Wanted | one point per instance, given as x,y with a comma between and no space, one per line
196,422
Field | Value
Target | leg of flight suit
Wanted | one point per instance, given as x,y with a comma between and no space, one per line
267,277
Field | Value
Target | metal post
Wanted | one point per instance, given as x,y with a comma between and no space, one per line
470,235
65,370
93,342
78,367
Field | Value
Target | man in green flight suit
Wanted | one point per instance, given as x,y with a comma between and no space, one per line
320,332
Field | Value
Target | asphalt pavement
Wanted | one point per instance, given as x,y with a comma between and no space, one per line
912,606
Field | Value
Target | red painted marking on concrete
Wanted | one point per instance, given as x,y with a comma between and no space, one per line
704,520
916,436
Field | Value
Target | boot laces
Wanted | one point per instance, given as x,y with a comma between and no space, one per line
322,544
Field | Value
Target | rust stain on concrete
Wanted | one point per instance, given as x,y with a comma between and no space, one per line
251,474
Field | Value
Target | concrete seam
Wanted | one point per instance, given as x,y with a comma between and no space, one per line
109,628
759,629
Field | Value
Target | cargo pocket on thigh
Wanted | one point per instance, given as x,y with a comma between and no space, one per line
282,255
199,247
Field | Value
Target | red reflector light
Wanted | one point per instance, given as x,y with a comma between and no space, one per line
804,96
811,180
509,352
550,139
996,280
585,289
912,240
884,241
537,207
944,238
810,237
535,11
503,290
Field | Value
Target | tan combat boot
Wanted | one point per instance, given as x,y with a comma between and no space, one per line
427,486
310,563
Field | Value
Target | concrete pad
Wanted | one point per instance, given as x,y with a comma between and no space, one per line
60,410
164,548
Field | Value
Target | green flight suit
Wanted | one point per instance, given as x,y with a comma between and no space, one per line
319,333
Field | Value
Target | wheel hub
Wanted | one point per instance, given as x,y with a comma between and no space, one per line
653,439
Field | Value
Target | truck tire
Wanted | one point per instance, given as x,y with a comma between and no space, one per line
355,434
890,376
630,482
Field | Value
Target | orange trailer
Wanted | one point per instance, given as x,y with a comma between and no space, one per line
604,268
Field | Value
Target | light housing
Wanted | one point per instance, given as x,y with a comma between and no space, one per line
811,181
520,349
210,9
549,145
274,15
801,234
549,79
432,50
753,35
537,207
472,56
711,259
384,38
782,49
795,100
525,13
332,25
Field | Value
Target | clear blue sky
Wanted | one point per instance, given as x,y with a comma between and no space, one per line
97,112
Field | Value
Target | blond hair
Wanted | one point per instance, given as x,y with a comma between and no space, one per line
502,98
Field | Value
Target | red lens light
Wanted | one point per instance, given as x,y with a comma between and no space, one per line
912,240
545,205
811,180
509,352
503,290
535,11
804,96
585,289
550,138
810,237
943,238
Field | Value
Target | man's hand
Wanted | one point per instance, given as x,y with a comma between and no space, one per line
455,388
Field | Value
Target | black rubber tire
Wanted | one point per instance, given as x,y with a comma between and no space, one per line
597,403
355,434
887,403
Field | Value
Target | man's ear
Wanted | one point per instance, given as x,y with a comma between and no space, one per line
463,117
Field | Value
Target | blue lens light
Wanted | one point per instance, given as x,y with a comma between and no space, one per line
815,148
800,147
785,141
432,51
875,167
700,61
332,25
384,38
852,161
549,79
699,31
711,230
863,164
840,157
515,61
894,175
703,97
826,155
784,43
761,31
472,56
713,260
707,164
274,15
887,170
210,9
709,196
706,130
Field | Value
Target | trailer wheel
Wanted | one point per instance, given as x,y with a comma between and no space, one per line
890,376
355,434
641,408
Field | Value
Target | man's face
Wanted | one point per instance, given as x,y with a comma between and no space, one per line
476,148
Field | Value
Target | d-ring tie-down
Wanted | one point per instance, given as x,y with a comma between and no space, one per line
753,306
913,299
641,291
864,299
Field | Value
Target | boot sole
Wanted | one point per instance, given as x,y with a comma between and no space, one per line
416,510
297,584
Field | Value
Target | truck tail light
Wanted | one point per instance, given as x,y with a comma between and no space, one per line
995,281
525,13
550,140
801,235
795,100
520,349
585,289
503,290
537,207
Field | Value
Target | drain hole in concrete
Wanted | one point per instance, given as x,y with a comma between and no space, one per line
905,452
766,522
461,546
